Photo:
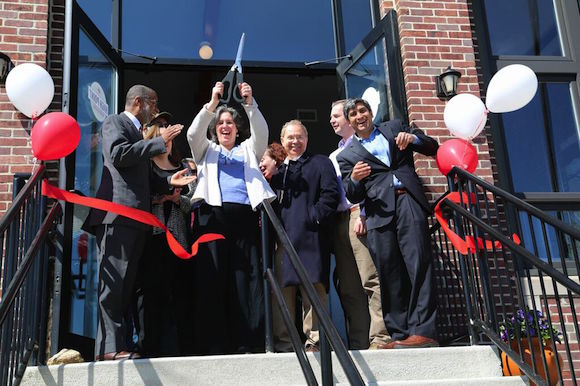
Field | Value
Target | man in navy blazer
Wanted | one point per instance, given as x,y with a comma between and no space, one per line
377,167
308,192
120,240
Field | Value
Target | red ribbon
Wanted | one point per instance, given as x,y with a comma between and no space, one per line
132,213
469,243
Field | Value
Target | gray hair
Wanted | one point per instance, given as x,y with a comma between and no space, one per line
294,122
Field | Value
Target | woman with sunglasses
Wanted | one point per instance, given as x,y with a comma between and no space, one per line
229,295
159,285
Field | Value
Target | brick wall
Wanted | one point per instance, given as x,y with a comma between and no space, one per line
24,38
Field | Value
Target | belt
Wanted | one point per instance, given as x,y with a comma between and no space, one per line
354,208
399,191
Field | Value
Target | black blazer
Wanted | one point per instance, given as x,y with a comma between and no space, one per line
125,175
377,189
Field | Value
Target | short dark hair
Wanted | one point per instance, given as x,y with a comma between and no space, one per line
135,91
351,104
238,121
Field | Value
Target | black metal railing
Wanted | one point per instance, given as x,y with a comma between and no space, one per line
24,297
329,336
509,276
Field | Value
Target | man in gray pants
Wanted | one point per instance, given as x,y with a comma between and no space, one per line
120,240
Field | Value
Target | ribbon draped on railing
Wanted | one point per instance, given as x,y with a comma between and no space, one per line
464,245
132,213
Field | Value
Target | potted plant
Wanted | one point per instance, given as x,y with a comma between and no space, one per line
525,326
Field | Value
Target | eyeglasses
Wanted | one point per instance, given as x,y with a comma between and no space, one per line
154,100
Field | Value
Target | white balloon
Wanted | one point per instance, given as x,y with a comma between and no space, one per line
30,89
511,88
465,116
372,96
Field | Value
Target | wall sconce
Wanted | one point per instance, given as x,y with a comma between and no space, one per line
5,66
447,83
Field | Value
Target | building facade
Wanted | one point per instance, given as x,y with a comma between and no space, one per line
298,62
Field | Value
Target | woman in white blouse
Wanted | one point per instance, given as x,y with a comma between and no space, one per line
229,297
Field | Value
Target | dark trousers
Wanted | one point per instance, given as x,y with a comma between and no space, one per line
229,304
157,307
119,251
402,254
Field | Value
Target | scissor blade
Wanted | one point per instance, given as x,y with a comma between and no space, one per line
238,61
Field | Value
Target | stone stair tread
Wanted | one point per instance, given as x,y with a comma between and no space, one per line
430,366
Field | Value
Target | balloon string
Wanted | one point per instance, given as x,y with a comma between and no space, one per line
481,120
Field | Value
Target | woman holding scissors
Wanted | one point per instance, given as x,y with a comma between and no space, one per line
229,297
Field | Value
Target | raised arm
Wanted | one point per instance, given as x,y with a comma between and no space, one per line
258,126
197,132
121,150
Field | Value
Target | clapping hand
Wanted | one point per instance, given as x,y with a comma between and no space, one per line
181,179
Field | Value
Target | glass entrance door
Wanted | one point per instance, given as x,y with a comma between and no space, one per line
373,71
94,87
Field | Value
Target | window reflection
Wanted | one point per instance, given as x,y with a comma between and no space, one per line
542,142
356,21
523,27
96,100
368,77
303,33
100,13
545,241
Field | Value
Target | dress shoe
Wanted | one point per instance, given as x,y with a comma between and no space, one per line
115,356
415,341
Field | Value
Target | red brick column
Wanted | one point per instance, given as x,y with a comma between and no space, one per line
23,37
434,35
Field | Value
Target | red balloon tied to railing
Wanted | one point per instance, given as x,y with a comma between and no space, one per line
55,135
456,152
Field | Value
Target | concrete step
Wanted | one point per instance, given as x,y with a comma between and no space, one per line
432,366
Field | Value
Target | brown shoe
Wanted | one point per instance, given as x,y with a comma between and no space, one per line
115,356
416,341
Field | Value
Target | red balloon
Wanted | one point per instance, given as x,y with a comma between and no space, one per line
54,135
456,152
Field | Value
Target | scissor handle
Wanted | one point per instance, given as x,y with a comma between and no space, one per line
231,81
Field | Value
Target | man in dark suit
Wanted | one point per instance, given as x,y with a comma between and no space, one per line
309,195
120,240
377,167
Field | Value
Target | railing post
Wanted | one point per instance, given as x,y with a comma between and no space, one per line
266,263
325,358
463,267
482,260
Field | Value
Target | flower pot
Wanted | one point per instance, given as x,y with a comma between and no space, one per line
511,368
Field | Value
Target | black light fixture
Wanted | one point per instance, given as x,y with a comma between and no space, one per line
447,83
5,66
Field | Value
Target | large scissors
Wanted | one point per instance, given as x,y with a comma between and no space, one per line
234,77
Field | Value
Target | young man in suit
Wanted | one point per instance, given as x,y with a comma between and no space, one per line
120,240
377,167
308,193
360,298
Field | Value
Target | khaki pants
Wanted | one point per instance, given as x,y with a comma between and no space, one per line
348,285
310,327
370,282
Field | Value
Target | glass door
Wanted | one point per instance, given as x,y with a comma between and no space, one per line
95,73
373,71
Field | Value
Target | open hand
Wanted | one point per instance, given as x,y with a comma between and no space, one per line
360,171
181,179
